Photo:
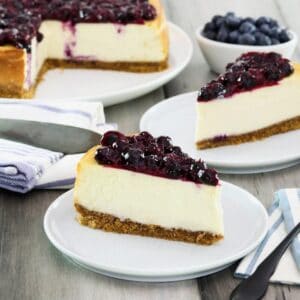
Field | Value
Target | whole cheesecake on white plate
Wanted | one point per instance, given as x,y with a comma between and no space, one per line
146,186
35,36
257,96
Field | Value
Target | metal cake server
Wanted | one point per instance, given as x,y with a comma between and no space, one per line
55,137
256,285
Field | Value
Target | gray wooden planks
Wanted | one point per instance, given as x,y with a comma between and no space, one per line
31,268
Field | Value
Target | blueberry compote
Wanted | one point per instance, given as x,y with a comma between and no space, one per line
21,19
249,71
155,156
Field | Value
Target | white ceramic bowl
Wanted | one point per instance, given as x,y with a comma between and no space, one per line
218,54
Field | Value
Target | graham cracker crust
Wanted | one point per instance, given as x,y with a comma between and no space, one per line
11,91
111,223
284,126
137,67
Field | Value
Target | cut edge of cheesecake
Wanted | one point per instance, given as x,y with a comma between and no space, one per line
15,59
112,223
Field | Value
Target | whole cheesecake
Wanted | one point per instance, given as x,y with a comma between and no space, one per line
146,186
258,96
35,36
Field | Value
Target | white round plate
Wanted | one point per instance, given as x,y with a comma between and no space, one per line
147,278
258,169
112,87
176,117
132,256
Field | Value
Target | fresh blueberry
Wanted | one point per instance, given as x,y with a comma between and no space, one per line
262,39
233,37
222,34
210,26
265,28
232,21
210,35
262,20
275,41
284,36
246,39
247,27
218,20
250,20
273,23
274,33
230,13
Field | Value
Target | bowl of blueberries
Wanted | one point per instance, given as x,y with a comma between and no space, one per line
225,38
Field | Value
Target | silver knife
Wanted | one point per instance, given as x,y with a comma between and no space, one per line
55,137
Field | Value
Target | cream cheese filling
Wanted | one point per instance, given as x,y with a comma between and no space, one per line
149,199
249,111
105,42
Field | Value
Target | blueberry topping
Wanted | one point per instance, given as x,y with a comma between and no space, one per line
154,156
21,20
111,137
249,71
245,31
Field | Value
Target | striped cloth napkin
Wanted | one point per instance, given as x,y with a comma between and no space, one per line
284,214
23,167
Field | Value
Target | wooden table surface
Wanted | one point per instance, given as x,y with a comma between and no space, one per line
31,268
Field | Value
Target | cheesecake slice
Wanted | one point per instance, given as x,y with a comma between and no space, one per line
146,186
35,36
258,96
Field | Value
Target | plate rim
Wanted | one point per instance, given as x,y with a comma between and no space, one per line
147,278
258,170
177,272
130,93
187,96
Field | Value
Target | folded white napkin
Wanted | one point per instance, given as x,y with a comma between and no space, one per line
284,214
23,167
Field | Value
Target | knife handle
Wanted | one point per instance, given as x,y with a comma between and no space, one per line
256,285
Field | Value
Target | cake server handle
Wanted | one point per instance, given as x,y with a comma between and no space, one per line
256,285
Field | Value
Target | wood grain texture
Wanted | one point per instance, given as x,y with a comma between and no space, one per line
30,268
